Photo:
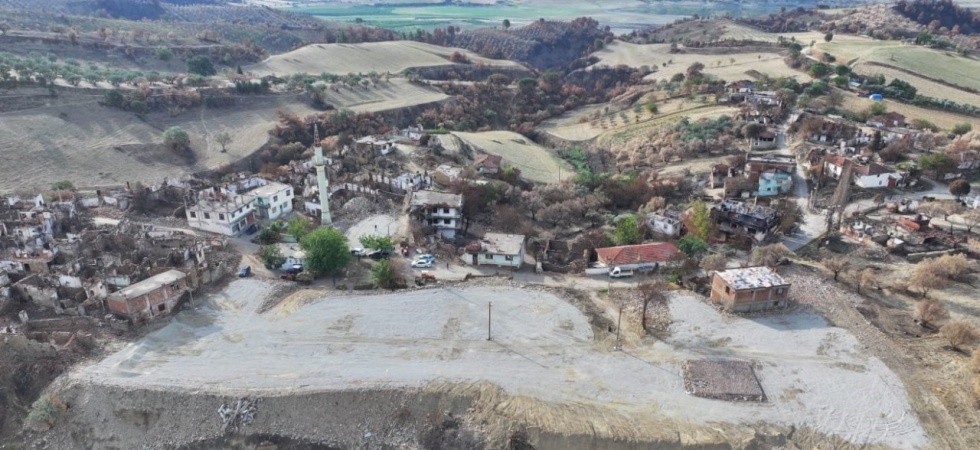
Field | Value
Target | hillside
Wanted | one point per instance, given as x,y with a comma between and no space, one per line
536,163
393,57
730,66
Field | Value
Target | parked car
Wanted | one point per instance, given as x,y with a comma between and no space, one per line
358,251
295,269
421,263
379,254
618,272
426,257
244,271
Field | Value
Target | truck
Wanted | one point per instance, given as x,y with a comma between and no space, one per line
618,272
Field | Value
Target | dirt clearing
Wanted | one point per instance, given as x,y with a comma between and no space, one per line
542,348
381,57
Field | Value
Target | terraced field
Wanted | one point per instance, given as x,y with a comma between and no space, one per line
731,66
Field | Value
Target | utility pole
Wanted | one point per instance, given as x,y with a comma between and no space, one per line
489,316
619,323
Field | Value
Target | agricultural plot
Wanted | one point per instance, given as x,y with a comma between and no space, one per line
864,54
93,146
535,162
942,119
731,66
629,132
589,122
381,57
924,86
386,95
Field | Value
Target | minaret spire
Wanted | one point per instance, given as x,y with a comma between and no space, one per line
321,178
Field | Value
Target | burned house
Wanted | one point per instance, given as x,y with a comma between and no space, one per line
766,140
756,164
756,221
441,211
150,298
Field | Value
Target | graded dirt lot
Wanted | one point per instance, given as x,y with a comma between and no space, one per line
71,137
543,348
536,163
719,65
381,57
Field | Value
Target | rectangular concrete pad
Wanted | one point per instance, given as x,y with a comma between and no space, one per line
722,380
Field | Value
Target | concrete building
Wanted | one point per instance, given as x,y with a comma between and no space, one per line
441,211
150,298
487,164
497,249
33,259
636,257
766,140
445,174
774,182
272,200
749,289
755,221
229,215
756,164
873,176
668,223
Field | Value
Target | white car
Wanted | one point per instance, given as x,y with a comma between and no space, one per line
358,251
422,264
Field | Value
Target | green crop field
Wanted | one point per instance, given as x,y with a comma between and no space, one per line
929,63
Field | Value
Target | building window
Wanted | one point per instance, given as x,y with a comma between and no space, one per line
508,258
445,210
289,193
779,291
221,217
728,290
162,307
193,215
275,198
207,215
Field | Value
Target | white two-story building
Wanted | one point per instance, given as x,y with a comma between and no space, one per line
441,211
221,213
272,200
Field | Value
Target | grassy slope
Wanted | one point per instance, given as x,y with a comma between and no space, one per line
636,55
536,163
942,65
379,57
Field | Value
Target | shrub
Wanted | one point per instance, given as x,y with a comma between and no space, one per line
163,53
177,140
930,312
45,410
959,333
200,65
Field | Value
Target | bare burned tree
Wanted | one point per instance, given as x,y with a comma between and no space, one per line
836,264
959,333
929,313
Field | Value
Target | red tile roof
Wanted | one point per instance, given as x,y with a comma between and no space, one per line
836,160
872,169
488,161
656,252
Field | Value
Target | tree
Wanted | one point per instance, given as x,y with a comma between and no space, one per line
200,65
692,245
271,256
829,36
714,262
700,220
769,255
938,163
113,97
298,227
962,128
959,188
177,140
599,44
506,24
950,267
877,109
326,250
836,264
925,278
223,139
377,242
163,53
959,333
651,293
63,185
627,231
929,313
385,275
970,218
790,214
819,70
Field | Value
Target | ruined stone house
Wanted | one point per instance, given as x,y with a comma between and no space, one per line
151,298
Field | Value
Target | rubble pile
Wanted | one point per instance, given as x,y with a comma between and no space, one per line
242,413
722,380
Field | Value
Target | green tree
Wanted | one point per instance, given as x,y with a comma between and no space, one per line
962,128
223,139
298,227
599,44
114,98
700,220
63,185
45,410
923,38
627,231
506,24
176,139
271,256
842,70
692,245
959,188
938,163
385,275
819,70
200,65
377,242
326,250
877,109
829,36
163,53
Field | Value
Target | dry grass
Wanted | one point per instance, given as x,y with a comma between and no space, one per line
381,57
96,146
387,95
719,65
942,119
536,163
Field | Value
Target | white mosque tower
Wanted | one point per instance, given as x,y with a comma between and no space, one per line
321,178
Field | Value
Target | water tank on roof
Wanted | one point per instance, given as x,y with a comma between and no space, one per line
876,97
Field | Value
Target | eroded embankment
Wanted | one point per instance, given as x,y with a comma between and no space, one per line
437,416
